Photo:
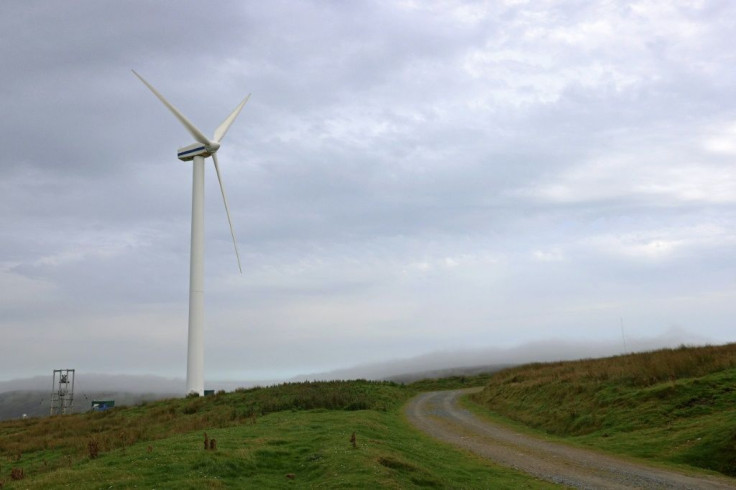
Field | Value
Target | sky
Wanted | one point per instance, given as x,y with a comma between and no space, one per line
408,177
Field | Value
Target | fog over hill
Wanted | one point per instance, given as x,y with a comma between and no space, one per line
428,365
95,382
31,395
471,359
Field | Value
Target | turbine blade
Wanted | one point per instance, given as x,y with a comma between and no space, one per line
225,125
196,133
227,210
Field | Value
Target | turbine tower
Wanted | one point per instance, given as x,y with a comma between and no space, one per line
197,153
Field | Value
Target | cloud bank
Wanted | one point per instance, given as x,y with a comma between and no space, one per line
408,177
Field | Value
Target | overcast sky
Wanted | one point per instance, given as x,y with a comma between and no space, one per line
408,177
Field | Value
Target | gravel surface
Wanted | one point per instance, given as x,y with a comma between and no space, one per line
439,415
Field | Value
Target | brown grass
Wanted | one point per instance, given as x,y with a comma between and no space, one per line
17,474
93,448
639,369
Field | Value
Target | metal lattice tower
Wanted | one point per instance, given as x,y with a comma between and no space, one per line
62,391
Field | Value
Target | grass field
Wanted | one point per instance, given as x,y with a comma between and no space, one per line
675,406
296,434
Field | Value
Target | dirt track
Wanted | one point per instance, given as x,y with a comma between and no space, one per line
439,415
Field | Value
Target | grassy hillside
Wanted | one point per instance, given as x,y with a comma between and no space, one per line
674,405
293,434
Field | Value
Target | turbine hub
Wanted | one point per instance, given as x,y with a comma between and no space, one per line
213,147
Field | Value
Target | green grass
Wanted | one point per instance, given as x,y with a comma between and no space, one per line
302,430
673,406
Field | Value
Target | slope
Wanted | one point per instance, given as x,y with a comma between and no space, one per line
671,405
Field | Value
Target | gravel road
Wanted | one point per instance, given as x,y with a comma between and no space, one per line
439,415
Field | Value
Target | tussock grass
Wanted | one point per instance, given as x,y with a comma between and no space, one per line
676,405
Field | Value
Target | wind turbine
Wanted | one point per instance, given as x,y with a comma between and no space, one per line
197,152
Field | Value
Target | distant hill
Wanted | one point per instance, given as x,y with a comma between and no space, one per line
493,357
30,395
92,382
16,404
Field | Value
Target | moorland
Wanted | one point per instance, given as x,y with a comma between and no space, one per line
673,407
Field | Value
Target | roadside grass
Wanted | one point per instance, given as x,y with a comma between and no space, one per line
673,406
289,435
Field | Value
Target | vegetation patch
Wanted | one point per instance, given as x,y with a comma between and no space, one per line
293,434
672,405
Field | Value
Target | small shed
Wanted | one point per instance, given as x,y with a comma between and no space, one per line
100,405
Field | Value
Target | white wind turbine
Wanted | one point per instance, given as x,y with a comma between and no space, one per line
198,152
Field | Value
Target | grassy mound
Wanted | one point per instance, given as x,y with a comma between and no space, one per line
294,434
676,405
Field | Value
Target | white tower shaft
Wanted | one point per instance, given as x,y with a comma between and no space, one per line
195,350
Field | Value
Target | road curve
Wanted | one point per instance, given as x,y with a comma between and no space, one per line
439,415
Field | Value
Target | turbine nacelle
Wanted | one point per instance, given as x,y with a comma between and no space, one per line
188,153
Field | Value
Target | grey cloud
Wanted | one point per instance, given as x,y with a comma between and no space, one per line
405,177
